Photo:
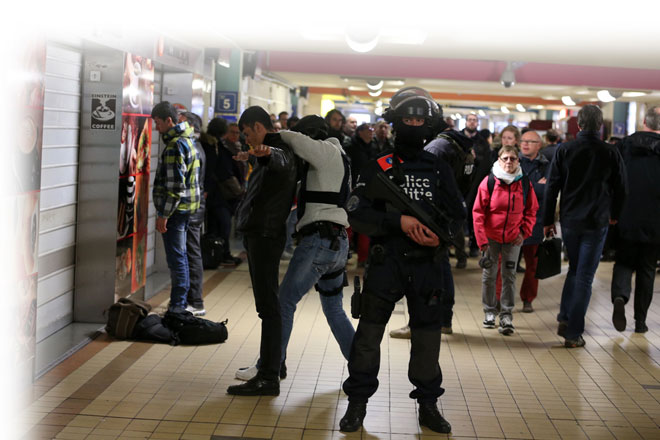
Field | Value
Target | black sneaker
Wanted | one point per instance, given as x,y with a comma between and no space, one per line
619,313
506,325
527,307
353,418
640,327
430,417
461,263
574,343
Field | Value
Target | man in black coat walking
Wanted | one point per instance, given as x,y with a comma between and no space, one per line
591,177
639,229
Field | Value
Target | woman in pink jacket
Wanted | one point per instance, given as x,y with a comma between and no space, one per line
502,220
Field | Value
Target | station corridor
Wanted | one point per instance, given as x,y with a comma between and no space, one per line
524,386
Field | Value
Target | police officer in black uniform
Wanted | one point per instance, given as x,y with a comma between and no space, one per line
405,258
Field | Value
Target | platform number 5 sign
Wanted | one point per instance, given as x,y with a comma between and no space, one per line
225,102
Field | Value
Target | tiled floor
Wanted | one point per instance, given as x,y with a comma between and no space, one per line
522,386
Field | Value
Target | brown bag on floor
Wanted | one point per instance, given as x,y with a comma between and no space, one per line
124,315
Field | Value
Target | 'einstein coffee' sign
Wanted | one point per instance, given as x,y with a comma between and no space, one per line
104,106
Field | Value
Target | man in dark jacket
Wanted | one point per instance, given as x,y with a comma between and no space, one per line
639,228
261,217
592,179
457,149
536,167
224,184
361,149
382,136
483,161
553,138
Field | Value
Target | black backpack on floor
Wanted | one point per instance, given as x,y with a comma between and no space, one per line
191,330
152,329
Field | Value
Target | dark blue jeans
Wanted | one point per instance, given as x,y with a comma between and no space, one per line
174,240
584,249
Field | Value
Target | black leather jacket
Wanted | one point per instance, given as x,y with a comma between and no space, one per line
270,191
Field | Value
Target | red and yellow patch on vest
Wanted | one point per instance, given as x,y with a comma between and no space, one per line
385,162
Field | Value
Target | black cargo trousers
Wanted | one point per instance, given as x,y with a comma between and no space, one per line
386,282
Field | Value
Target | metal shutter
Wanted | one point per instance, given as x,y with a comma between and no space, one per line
59,189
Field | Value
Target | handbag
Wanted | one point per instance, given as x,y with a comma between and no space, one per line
549,258
230,188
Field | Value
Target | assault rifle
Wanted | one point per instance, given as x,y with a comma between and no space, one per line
356,299
382,188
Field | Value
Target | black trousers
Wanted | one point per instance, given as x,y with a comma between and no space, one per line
264,263
219,224
194,296
640,258
385,284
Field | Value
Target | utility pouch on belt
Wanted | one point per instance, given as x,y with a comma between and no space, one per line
356,299
377,254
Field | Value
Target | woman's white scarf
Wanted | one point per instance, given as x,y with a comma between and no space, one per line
504,176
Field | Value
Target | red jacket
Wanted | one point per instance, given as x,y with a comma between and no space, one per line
502,216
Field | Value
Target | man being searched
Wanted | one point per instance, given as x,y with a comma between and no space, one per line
261,217
176,196
638,247
590,175
319,260
404,258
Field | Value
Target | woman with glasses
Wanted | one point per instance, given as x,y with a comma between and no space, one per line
504,214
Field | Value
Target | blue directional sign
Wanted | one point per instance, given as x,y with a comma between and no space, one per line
226,102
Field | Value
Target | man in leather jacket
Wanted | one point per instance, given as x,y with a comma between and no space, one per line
261,217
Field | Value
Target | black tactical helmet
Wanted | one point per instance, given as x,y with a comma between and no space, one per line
313,126
414,102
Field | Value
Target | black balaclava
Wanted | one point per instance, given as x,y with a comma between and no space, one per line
409,140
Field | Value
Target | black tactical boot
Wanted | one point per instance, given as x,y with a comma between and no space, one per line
352,420
430,417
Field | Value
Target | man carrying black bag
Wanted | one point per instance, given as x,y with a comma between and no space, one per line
591,177
404,259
